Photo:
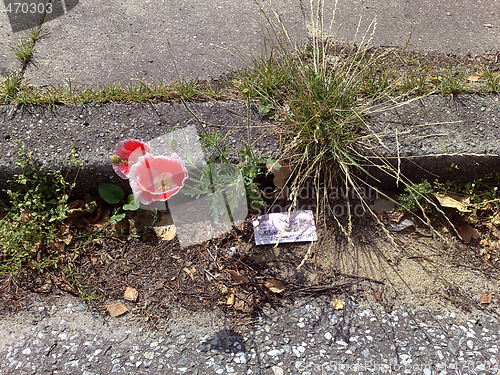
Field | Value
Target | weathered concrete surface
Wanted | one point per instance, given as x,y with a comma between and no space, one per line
441,137
101,42
94,131
7,58
426,129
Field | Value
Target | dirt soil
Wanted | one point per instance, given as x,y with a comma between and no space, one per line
233,274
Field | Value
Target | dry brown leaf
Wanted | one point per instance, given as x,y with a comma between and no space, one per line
495,219
378,296
67,238
337,304
26,216
223,289
281,175
239,278
116,309
130,294
458,202
274,286
485,299
473,78
467,233
241,305
230,300
58,246
190,272
165,228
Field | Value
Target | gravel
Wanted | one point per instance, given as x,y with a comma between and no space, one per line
62,336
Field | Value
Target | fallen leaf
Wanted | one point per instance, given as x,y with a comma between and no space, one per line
377,296
467,233
165,228
395,216
240,279
58,246
230,300
281,175
241,305
116,309
337,304
130,294
190,272
26,216
459,202
274,286
485,299
67,238
472,78
223,289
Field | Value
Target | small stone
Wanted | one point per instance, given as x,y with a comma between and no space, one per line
277,370
328,336
116,367
366,353
470,344
26,351
273,352
149,355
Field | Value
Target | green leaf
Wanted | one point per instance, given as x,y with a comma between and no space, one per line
132,204
111,193
116,218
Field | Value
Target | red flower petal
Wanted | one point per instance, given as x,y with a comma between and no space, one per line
129,151
157,178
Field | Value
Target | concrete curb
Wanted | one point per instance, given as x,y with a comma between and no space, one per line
460,139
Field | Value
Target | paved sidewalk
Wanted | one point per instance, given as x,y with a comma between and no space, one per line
62,336
101,41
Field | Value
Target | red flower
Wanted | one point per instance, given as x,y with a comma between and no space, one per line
126,153
157,178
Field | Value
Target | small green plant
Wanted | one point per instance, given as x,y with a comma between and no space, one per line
37,206
492,80
10,87
113,194
483,193
415,197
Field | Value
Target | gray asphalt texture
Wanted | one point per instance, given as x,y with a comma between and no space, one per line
63,336
467,128
100,42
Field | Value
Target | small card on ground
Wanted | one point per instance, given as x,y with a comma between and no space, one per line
285,227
